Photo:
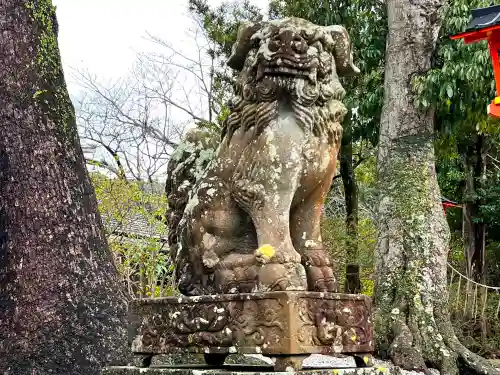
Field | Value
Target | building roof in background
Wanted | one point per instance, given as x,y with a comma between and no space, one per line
484,17
136,226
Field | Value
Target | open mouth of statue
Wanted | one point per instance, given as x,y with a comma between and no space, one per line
276,71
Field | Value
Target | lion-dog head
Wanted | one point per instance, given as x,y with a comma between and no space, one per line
290,60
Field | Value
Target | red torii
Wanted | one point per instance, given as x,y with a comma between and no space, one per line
485,25
447,204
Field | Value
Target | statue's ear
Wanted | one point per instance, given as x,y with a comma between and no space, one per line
342,51
242,45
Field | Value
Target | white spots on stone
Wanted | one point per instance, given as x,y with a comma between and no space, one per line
269,220
346,310
185,185
228,331
179,300
289,369
325,162
258,349
232,349
220,310
211,192
310,243
210,258
395,311
204,321
209,240
192,203
304,234
272,151
276,200
445,352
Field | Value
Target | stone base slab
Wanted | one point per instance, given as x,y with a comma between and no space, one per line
271,323
238,371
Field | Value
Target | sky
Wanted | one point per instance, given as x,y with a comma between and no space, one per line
104,35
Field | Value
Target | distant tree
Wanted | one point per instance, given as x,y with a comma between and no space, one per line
63,310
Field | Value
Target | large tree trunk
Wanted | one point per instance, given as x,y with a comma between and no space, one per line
412,321
62,310
352,279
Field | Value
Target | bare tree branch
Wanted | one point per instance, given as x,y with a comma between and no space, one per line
135,122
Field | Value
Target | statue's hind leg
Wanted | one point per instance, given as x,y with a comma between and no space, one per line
218,241
305,225
306,235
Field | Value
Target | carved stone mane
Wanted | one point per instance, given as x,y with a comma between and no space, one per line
295,57
251,221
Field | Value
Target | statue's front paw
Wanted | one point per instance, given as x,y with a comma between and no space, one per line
281,276
264,254
283,254
321,279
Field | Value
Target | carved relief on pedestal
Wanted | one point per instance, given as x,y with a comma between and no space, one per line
272,323
342,324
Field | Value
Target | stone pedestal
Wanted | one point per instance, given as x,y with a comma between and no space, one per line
288,326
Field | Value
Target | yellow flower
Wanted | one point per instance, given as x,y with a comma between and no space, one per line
267,251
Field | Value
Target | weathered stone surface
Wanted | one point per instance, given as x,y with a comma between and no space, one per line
236,371
268,323
250,219
198,359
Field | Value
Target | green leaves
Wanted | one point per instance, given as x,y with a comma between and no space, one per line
130,212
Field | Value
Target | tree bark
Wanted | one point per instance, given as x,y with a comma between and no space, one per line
412,322
474,232
62,309
352,280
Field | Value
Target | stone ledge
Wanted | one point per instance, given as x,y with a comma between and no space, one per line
126,370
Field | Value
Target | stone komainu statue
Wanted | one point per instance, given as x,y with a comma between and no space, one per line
244,211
